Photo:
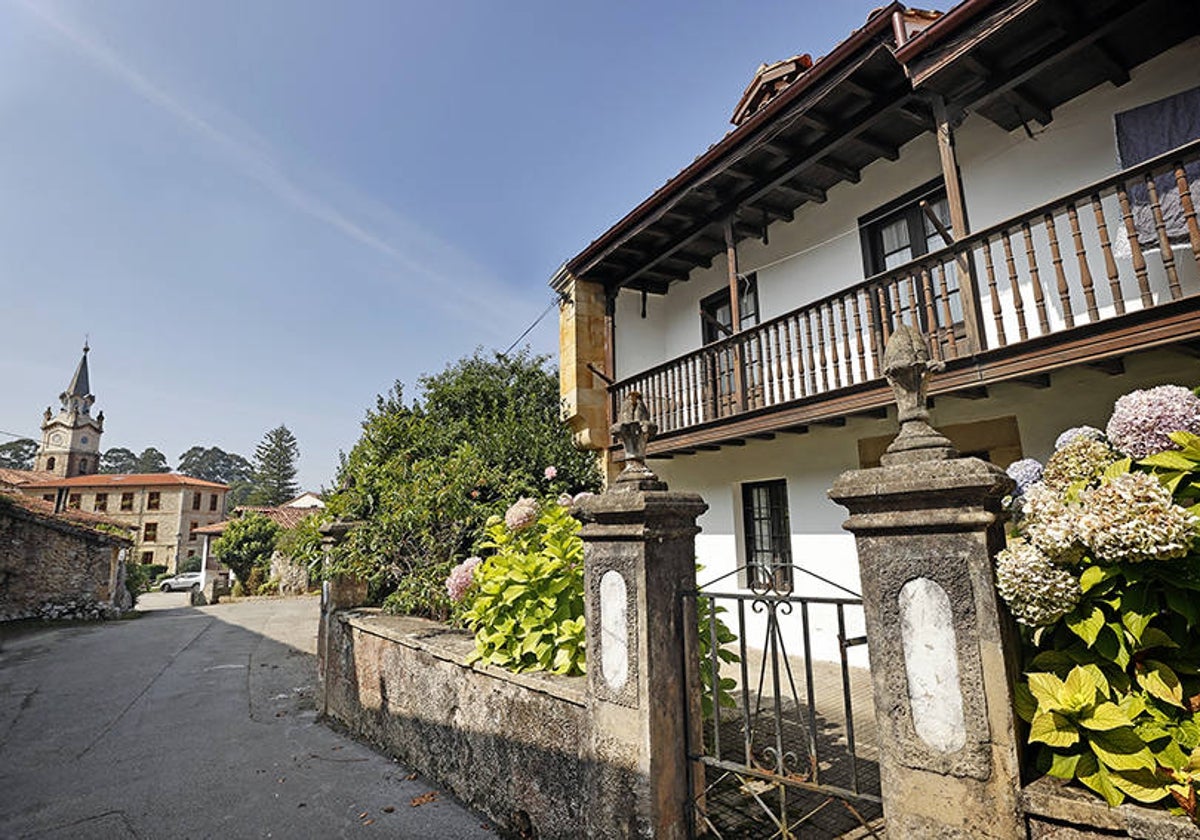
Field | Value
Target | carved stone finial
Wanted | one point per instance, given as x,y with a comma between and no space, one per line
906,365
634,428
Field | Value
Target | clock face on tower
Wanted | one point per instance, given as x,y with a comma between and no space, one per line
57,438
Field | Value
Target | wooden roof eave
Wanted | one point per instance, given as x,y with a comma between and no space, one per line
887,104
702,169
1031,84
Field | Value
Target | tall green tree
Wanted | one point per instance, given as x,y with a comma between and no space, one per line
215,464
275,460
18,454
118,460
248,542
426,475
151,461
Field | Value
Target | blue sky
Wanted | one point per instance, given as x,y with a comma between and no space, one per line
267,212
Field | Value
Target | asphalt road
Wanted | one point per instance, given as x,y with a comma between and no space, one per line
192,723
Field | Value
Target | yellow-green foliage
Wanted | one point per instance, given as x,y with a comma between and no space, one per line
528,614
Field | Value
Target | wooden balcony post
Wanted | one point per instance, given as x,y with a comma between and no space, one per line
735,316
958,226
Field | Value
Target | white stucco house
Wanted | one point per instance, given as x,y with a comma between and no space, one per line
1017,178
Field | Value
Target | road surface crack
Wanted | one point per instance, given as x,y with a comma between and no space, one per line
142,693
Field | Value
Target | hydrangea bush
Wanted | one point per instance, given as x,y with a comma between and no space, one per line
527,611
525,601
1104,575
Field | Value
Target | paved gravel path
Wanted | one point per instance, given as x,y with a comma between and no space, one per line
192,723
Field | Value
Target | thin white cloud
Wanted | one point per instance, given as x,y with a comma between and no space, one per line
476,300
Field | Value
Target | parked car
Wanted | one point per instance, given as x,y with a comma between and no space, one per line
187,580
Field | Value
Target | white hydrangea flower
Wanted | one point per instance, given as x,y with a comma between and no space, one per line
1037,591
1133,518
1051,524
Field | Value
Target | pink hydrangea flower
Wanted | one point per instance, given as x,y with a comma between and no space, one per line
460,579
1141,419
551,472
522,514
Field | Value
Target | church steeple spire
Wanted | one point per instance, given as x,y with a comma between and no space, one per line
71,440
80,387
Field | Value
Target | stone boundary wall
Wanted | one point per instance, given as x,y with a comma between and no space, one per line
1057,811
50,566
513,746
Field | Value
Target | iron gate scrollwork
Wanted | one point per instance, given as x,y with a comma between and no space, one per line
767,758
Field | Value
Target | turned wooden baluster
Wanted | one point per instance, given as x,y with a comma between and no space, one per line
931,329
1110,264
1164,241
677,397
763,359
788,348
947,315
810,353
821,349
1189,210
847,349
1039,298
1085,272
875,316
993,291
1064,293
885,317
1014,284
1135,247
858,338
777,330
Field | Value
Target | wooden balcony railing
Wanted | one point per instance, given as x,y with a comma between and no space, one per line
1116,246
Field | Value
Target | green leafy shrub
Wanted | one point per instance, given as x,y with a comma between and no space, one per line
528,613
238,590
137,580
711,625
422,592
427,473
269,587
1105,575
247,545
255,581
189,564
526,601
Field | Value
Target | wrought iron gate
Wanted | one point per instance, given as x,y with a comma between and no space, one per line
768,758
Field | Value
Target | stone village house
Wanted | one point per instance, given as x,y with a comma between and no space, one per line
51,560
1018,179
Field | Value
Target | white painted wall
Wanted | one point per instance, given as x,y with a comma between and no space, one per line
819,253
810,464
1004,173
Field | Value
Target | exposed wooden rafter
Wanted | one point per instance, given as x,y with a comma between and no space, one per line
881,108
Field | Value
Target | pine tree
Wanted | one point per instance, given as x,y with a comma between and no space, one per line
275,460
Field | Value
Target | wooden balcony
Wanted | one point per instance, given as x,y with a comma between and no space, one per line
1108,269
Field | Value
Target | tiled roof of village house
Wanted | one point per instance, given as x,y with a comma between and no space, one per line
285,517
19,478
128,480
45,510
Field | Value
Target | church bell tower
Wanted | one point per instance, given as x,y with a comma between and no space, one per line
71,439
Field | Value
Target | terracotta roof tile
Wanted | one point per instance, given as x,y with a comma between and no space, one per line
45,510
18,478
285,517
128,480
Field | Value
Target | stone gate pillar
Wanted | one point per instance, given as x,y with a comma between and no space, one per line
639,554
927,525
